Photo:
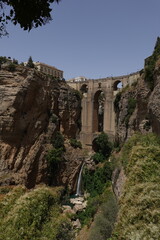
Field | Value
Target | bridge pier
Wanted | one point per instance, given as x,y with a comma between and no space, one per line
91,90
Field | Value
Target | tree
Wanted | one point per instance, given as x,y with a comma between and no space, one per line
103,145
30,63
28,13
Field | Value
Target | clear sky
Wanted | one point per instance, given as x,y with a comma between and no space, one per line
91,38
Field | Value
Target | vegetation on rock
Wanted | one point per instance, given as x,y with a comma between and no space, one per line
103,145
30,63
95,182
105,218
55,155
139,216
131,107
75,144
58,140
33,215
150,65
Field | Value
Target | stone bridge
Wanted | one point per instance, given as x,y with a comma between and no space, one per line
97,104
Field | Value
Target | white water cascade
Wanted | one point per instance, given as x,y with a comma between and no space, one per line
79,190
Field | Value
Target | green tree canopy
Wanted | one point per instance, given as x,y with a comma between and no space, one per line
103,145
30,63
27,13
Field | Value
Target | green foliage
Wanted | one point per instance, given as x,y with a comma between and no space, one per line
150,65
5,189
15,61
116,101
54,157
30,63
3,60
75,144
131,107
28,14
103,145
54,118
98,157
139,216
105,218
10,200
58,141
78,94
86,216
11,67
137,139
33,215
94,182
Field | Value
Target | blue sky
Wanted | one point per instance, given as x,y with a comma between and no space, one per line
90,38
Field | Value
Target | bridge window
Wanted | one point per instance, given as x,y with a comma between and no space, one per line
98,111
117,85
84,88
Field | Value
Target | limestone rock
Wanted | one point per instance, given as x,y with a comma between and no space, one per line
76,224
146,116
28,101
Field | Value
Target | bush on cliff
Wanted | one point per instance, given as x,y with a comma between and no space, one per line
75,144
139,214
150,65
102,145
58,140
105,218
33,215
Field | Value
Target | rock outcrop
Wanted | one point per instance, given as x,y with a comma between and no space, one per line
146,114
33,107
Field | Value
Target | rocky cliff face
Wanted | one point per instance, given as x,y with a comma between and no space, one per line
144,116
33,106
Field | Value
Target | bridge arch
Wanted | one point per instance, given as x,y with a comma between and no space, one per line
117,85
84,88
98,111
91,89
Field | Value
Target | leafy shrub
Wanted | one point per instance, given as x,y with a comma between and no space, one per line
98,157
58,141
150,65
30,63
103,145
105,219
9,201
5,189
34,215
86,216
76,144
139,217
131,107
137,139
94,182
78,94
11,67
3,60
55,156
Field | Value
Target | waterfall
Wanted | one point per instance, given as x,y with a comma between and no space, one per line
78,190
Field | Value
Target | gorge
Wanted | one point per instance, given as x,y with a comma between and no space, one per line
41,158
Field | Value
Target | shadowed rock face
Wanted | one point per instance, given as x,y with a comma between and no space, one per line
146,116
28,101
